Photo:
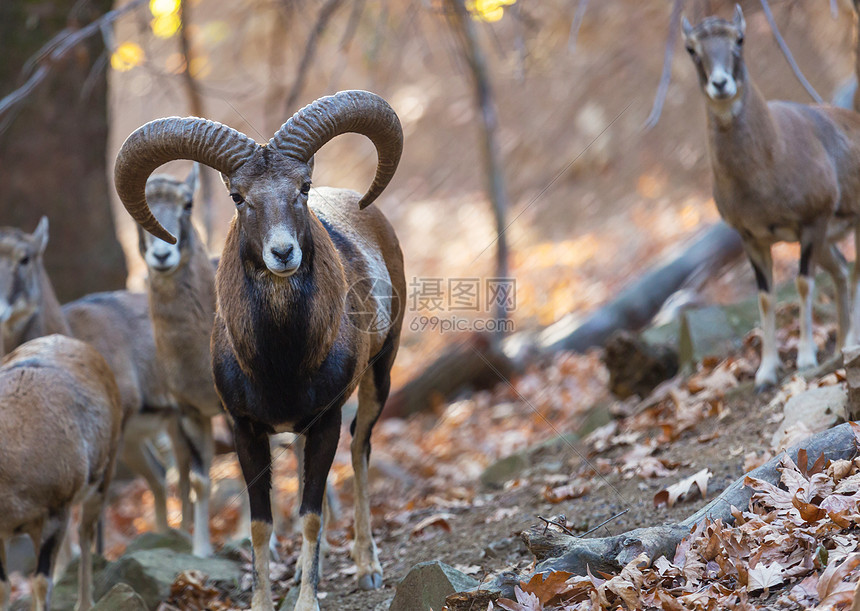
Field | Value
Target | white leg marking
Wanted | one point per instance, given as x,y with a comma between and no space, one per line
767,371
806,349
262,598
311,530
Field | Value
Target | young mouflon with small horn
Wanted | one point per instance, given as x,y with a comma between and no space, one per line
782,172
309,291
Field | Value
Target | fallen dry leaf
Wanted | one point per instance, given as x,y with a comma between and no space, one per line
440,520
573,490
764,577
681,490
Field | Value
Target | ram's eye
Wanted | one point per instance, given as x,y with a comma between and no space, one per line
306,188
25,260
691,51
188,206
740,40
237,199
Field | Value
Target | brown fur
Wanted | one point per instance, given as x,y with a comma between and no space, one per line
117,324
60,419
182,311
782,172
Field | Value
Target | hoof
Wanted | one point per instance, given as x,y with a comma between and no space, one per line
806,362
372,581
764,387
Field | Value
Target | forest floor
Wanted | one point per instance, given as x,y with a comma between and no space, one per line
428,500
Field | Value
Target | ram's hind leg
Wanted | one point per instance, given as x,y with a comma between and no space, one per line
4,578
198,430
853,337
836,266
372,394
47,539
813,249
182,455
90,514
139,458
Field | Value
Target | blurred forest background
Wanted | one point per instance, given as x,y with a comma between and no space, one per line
594,198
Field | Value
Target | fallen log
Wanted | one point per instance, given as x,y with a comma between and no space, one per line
474,363
637,304
556,551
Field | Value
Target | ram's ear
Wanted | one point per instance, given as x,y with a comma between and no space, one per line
192,181
311,166
41,235
739,21
686,27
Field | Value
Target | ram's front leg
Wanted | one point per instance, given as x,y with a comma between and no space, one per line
762,263
320,446
252,448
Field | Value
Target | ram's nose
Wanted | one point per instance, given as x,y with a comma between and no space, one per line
283,254
282,257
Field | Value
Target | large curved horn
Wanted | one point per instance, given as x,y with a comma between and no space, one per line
163,140
347,111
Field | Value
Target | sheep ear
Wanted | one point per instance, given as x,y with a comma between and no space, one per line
192,181
41,235
738,20
686,27
311,166
225,179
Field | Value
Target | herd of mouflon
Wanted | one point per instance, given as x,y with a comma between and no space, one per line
276,336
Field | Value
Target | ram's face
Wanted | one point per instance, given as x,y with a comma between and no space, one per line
170,201
716,48
271,198
20,273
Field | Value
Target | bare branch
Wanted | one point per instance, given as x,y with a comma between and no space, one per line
462,24
346,41
195,103
578,16
52,52
666,76
325,15
788,56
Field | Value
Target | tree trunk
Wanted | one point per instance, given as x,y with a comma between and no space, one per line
53,152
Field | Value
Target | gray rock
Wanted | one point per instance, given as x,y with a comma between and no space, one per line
427,585
151,572
175,540
290,600
505,469
65,594
121,597
239,550
810,412
20,555
714,331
